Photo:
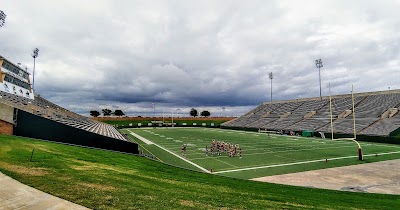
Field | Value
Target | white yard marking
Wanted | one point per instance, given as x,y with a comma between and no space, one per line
382,145
184,159
141,138
282,151
226,163
302,162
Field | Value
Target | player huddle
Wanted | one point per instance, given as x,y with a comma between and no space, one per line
217,148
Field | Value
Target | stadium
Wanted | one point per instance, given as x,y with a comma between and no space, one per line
261,138
276,138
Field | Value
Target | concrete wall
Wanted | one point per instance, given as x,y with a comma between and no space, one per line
6,113
33,126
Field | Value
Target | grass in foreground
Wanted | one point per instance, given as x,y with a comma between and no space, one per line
106,180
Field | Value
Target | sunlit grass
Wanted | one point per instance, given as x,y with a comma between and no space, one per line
107,180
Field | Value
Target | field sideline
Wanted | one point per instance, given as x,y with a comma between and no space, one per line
263,154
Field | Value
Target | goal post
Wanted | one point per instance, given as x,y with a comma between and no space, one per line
322,135
360,153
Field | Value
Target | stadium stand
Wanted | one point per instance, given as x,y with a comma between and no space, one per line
377,114
26,114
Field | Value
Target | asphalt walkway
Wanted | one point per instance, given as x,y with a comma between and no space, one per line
15,195
379,177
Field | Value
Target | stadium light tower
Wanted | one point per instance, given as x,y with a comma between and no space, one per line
35,54
2,18
319,65
271,77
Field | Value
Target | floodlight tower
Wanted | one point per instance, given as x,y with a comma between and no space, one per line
271,77
35,54
2,18
319,65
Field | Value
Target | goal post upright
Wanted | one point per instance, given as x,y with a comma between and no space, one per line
330,108
354,116
360,155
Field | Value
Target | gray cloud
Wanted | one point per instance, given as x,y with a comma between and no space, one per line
206,54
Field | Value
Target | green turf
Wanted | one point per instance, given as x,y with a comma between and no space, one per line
106,180
261,150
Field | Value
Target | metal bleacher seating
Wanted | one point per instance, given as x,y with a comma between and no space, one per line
314,114
44,108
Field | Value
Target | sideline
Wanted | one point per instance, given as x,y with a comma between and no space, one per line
299,163
141,138
146,149
184,159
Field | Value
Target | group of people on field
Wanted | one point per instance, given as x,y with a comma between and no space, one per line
217,148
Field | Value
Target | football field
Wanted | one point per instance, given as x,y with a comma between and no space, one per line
263,154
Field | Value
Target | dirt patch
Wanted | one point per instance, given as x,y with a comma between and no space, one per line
101,187
25,170
85,166
147,197
193,204
187,203
380,177
44,149
5,149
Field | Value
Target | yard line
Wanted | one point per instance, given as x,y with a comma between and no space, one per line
226,163
281,151
299,163
184,159
296,150
383,145
141,138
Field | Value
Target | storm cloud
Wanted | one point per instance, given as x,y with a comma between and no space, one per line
205,54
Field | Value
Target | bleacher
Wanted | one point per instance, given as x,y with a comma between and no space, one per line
376,114
44,108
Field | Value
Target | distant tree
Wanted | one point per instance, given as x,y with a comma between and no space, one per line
118,112
193,112
106,112
94,113
205,113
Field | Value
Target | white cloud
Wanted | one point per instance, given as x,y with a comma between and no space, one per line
201,53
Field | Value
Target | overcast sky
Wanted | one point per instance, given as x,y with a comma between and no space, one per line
98,54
